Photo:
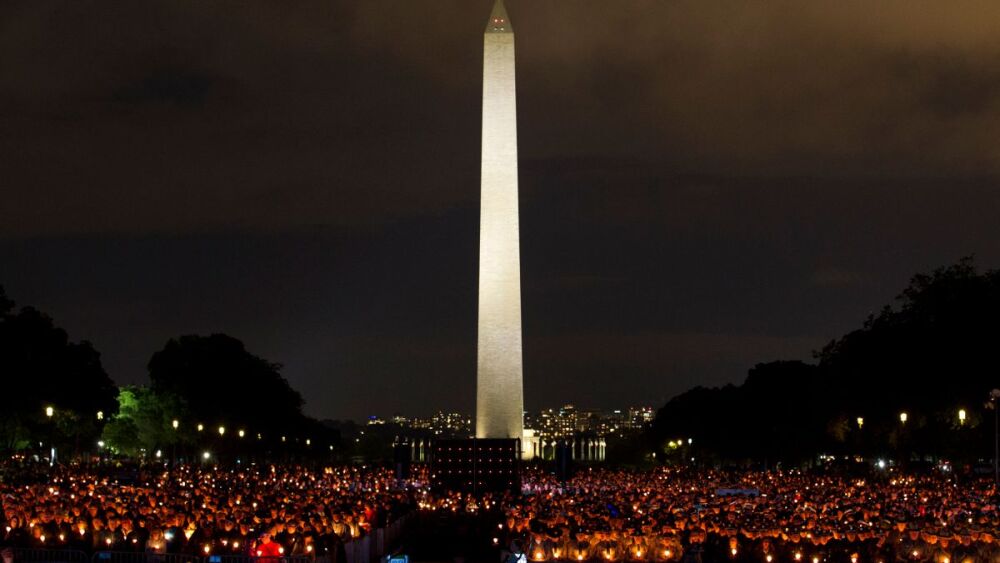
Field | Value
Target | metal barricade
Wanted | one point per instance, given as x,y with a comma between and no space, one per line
23,555
250,559
377,544
49,556
143,557
359,550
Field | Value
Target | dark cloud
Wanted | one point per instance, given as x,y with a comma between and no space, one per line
704,186
955,87
177,85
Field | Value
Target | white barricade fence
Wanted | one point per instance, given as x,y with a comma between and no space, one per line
376,545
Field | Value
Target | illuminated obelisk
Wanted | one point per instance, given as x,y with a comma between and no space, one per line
499,387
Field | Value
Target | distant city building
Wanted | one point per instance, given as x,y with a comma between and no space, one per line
568,421
584,431
442,424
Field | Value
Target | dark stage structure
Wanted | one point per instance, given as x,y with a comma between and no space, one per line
476,464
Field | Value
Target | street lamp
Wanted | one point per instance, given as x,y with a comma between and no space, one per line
994,396
222,431
903,454
49,411
201,427
961,416
173,456
100,415
861,422
242,433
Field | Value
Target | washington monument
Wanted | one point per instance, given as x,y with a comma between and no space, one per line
499,386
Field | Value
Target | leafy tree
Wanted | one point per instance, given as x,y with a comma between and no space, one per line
42,368
765,419
122,433
221,383
144,422
6,305
929,355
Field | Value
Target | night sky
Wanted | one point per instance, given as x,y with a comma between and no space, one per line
704,185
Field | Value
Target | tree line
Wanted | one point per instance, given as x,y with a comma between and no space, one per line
207,397
911,385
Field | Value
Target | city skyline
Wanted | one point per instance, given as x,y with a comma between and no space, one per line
705,187
564,420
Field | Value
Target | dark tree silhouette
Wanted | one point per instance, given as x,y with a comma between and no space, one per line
221,383
6,305
42,368
929,356
765,420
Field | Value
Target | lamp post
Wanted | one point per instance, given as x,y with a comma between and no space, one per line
175,424
220,455
903,454
994,396
50,411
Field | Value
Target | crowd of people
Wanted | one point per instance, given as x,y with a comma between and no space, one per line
663,514
756,516
264,511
